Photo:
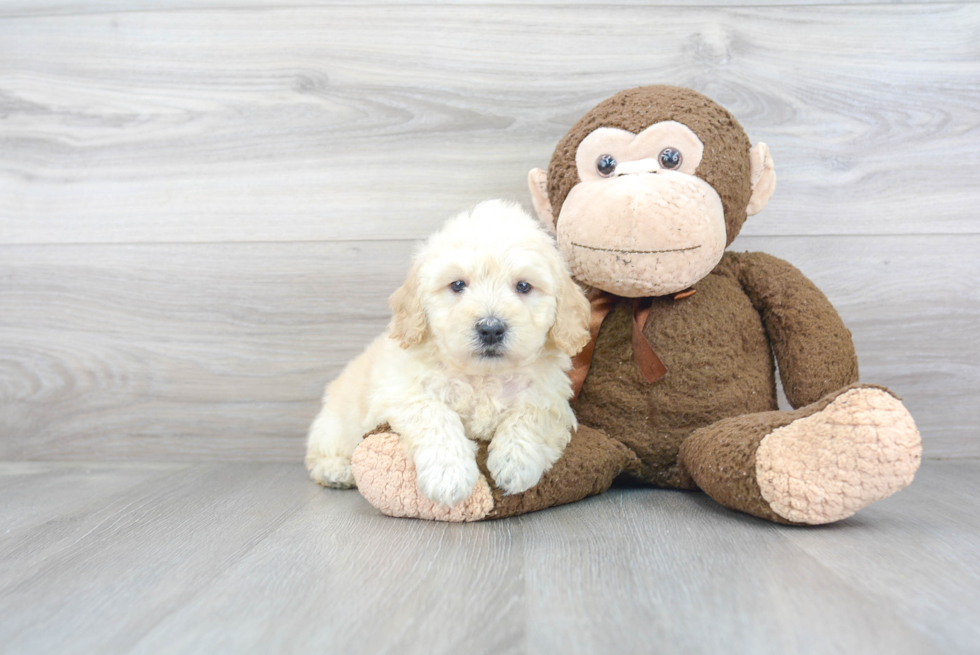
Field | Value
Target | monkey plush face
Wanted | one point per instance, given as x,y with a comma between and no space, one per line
639,222
649,188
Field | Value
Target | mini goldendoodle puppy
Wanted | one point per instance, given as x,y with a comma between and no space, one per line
482,335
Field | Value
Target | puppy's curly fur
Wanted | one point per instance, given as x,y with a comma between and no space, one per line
441,384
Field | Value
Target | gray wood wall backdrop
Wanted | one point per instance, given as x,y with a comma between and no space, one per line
203,206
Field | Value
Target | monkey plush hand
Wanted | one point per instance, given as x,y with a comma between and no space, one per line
677,388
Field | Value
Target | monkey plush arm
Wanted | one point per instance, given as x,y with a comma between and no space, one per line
814,350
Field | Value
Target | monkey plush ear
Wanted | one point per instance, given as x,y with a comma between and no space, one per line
537,182
408,322
763,178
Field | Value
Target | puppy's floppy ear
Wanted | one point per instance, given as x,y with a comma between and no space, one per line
408,321
570,332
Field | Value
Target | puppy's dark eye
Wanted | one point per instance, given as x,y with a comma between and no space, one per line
523,287
457,286
670,159
606,165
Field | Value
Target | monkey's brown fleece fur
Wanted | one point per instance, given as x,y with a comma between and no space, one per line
716,346
587,467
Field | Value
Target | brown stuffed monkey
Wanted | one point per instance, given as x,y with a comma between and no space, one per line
677,388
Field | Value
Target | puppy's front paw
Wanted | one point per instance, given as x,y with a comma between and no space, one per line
513,469
330,471
443,477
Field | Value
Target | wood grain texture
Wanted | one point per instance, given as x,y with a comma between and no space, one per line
174,351
16,8
339,577
699,578
203,209
152,547
636,577
37,492
342,122
942,523
255,558
221,351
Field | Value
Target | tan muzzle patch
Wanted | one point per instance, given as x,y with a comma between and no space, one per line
645,234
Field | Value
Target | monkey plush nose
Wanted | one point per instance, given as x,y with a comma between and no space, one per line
638,166
491,330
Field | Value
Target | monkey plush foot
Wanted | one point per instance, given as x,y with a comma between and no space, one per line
818,464
386,478
862,447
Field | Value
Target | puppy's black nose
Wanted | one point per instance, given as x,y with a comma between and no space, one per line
491,330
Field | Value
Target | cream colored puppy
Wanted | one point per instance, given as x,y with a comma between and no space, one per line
477,349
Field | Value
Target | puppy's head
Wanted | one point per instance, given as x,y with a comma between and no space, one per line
490,291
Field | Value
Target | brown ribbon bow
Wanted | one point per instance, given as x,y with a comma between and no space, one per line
647,361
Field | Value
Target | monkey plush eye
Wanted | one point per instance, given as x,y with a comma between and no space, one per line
606,165
523,287
457,286
670,158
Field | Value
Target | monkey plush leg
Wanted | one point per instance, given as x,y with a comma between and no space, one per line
587,467
818,464
386,478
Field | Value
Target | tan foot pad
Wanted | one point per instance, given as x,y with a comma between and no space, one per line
386,478
862,447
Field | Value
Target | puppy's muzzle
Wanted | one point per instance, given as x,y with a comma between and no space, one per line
491,331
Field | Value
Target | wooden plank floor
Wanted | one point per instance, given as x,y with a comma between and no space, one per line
254,558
